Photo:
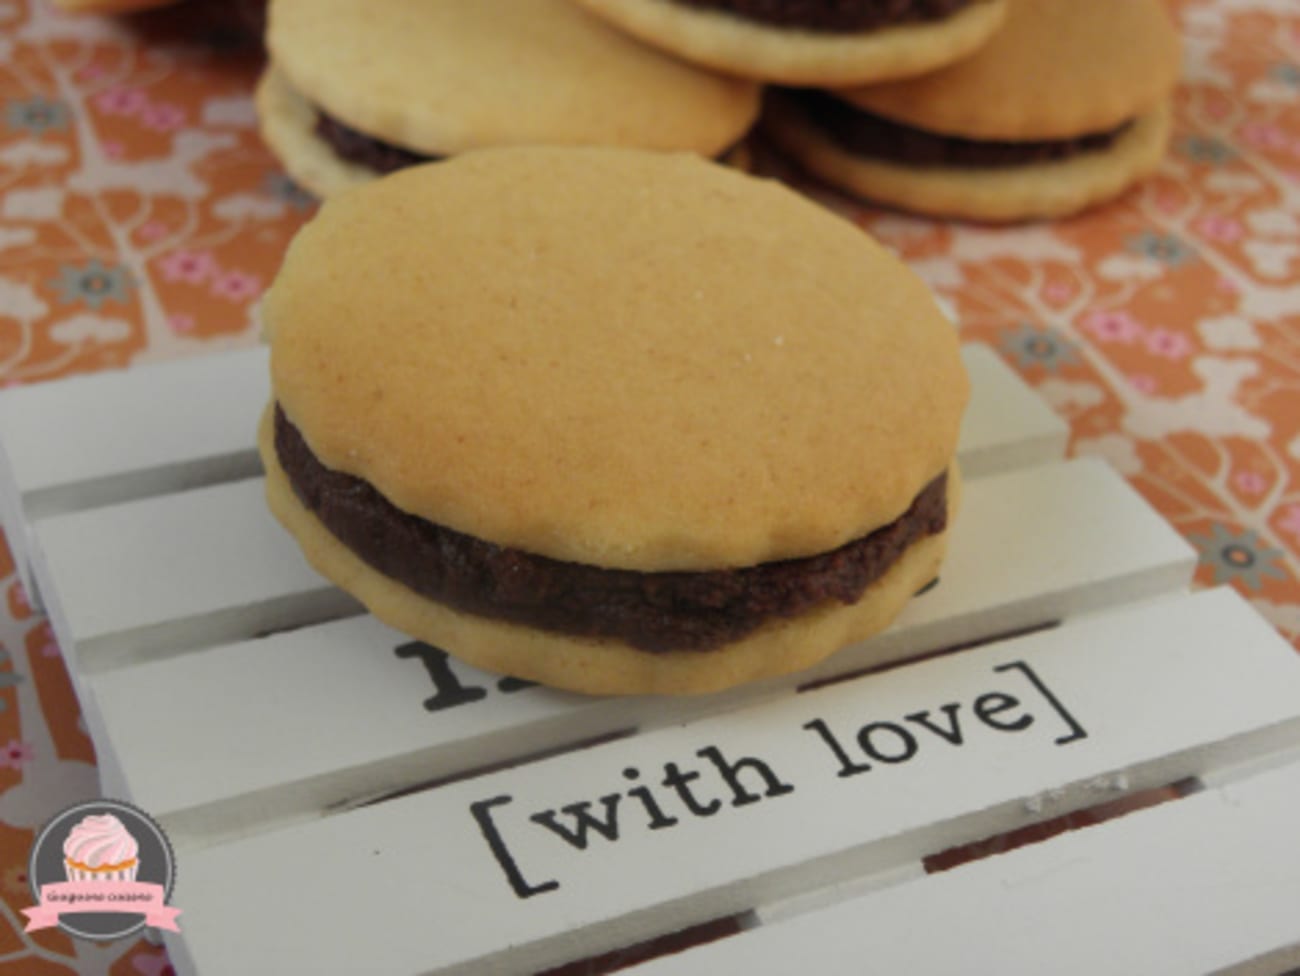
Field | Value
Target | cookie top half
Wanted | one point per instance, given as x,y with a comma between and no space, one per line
604,356
446,76
1055,69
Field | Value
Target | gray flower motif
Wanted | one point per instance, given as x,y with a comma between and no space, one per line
1165,248
1238,557
1288,74
1033,345
282,187
37,115
1206,149
93,283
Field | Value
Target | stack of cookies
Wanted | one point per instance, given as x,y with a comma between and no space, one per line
1067,106
993,111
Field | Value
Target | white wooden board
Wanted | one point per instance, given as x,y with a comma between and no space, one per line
1207,884
589,850
164,575
330,714
114,436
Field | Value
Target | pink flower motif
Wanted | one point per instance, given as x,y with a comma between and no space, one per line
1216,227
50,648
181,323
15,753
1143,383
122,101
1113,327
163,117
18,597
1249,482
1058,291
1169,344
191,267
1263,136
1226,285
113,150
236,286
1291,521
153,230
90,72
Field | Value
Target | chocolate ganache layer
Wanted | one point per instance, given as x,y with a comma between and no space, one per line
357,147
665,611
867,134
841,16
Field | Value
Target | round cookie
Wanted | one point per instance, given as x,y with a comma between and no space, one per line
357,87
1066,106
735,394
789,55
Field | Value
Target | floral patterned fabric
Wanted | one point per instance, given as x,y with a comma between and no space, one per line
140,219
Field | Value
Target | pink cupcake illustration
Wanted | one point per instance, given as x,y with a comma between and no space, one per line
100,848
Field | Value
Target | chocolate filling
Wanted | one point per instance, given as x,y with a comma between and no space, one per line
838,16
668,611
357,147
867,134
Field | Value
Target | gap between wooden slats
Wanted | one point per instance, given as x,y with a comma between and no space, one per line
1118,702
331,715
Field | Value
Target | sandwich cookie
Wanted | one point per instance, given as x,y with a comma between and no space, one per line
810,42
610,420
358,88
1066,107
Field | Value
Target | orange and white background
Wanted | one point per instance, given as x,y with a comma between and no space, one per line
141,218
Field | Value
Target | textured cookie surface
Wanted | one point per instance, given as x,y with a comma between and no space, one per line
624,359
752,49
446,76
987,193
1056,68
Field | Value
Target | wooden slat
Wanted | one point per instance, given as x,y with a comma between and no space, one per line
160,575
857,777
1208,884
333,713
1008,425
113,436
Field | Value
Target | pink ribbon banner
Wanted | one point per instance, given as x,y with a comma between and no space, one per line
127,897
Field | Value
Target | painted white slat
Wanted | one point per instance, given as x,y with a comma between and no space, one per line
1207,884
112,436
468,877
332,713
160,575
1007,425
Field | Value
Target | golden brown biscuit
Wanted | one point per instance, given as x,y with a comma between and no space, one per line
752,48
1066,106
637,394
359,87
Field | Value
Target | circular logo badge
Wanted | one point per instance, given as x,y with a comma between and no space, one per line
102,870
